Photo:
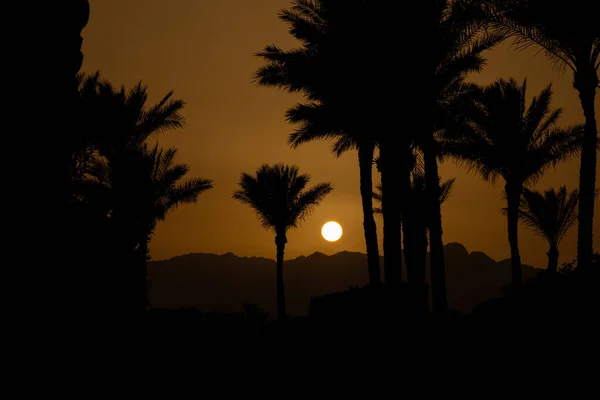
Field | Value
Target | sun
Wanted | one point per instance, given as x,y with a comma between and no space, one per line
331,231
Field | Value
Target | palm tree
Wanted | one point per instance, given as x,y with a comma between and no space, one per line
551,215
421,222
569,33
506,139
160,187
415,224
278,195
122,122
297,70
132,184
311,129
458,36
167,190
346,63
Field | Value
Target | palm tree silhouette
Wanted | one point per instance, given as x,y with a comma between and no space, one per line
506,139
168,188
160,187
421,223
570,37
457,35
132,184
278,195
551,215
415,224
294,70
346,65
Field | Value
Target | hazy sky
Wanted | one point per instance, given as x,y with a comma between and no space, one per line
203,49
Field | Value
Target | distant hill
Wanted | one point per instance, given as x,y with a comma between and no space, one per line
224,282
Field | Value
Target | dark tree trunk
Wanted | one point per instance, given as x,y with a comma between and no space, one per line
421,289
586,82
143,275
513,198
438,268
415,245
280,241
553,258
390,207
365,165
407,209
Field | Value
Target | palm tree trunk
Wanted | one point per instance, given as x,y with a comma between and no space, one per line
415,246
553,258
408,225
390,207
280,241
438,268
143,277
420,258
586,85
365,165
415,251
513,197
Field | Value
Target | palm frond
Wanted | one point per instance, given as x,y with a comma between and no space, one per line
556,146
566,34
277,194
446,189
254,194
186,192
163,116
304,23
504,137
306,203
550,214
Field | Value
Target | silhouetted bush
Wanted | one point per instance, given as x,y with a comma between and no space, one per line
569,297
359,305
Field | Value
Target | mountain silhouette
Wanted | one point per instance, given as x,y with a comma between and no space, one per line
210,282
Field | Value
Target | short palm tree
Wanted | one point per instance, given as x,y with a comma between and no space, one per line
569,33
133,184
551,215
279,196
158,187
507,139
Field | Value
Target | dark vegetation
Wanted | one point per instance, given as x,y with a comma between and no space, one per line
116,185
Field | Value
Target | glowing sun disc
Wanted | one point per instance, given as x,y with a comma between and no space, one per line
331,231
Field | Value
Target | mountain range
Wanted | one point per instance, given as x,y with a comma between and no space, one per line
224,282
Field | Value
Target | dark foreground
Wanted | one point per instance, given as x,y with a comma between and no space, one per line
551,303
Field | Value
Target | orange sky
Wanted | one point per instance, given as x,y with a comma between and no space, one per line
203,50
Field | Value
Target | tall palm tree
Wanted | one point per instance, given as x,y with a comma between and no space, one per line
279,196
415,224
507,139
422,222
315,124
569,33
551,215
457,35
346,63
302,69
